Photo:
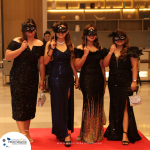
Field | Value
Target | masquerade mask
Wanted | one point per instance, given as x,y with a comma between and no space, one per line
119,37
116,36
28,27
89,32
61,29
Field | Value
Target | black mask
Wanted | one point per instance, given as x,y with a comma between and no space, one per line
118,37
89,32
28,27
61,29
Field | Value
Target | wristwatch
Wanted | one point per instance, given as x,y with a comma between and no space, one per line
135,80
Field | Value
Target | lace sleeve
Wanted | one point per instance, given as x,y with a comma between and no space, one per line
12,46
78,53
135,52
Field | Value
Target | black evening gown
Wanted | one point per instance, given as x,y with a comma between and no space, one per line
119,83
24,79
92,87
62,107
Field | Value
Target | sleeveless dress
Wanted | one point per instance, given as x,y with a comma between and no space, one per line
92,87
119,83
24,78
62,107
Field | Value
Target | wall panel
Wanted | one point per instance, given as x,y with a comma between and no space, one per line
15,12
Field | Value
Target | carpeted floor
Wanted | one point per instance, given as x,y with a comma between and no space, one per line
45,140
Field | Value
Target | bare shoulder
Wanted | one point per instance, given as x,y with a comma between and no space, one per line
17,39
80,46
39,42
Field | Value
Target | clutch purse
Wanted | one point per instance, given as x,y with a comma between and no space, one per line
41,99
135,99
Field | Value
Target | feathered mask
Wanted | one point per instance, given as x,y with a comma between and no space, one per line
116,36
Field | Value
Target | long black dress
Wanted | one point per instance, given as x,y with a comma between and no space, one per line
92,87
24,78
62,107
119,83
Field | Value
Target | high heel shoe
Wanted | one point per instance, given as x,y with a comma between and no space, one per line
125,142
61,139
30,139
68,143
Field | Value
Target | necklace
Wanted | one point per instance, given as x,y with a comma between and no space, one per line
61,43
118,49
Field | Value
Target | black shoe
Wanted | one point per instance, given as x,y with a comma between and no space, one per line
68,143
61,139
125,142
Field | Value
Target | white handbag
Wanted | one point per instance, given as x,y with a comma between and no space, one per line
135,99
42,99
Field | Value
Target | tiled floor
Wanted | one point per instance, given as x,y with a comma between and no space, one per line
43,115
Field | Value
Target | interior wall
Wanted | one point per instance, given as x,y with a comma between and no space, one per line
0,32
15,12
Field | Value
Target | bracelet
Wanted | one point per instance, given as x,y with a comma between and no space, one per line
135,80
110,53
49,55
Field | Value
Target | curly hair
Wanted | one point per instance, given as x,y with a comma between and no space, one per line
24,37
95,42
67,39
126,44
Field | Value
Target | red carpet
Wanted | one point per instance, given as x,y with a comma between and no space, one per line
45,140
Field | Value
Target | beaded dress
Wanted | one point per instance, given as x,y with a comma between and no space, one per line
24,78
62,107
92,87
119,83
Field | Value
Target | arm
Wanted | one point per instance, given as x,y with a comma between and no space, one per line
107,58
42,71
48,53
9,55
80,61
75,74
134,62
46,57
103,71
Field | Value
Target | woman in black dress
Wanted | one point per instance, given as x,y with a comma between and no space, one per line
27,51
61,52
123,71
92,82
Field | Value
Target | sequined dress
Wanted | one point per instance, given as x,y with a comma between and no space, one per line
62,107
119,83
92,87
24,78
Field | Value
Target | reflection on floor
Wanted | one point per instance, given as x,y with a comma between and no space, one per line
43,115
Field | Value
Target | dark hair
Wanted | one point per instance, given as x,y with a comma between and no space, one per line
29,20
67,39
126,44
47,32
95,42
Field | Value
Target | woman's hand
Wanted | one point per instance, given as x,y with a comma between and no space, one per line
133,85
41,85
53,44
112,48
24,45
86,51
77,83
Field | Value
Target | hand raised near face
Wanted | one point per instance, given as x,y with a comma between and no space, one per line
53,44
86,51
112,48
24,45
